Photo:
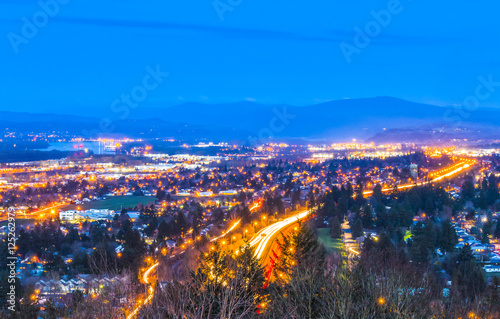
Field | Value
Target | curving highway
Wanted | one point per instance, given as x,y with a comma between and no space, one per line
450,171
151,291
265,237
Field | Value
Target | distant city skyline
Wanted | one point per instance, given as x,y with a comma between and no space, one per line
78,58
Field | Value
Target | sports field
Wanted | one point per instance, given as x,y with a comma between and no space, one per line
114,203
331,244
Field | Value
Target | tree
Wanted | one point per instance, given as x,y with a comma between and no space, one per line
367,217
299,250
487,226
245,215
160,194
448,237
381,212
151,227
357,229
296,196
55,263
224,286
280,207
422,242
377,193
493,192
468,279
468,190
496,234
360,199
307,249
163,230
336,228
134,247
197,217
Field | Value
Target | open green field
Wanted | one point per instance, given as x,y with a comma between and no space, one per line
115,203
331,244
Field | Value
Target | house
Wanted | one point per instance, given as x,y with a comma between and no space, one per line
479,248
492,271
68,215
83,283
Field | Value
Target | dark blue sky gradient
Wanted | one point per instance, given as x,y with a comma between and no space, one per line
91,52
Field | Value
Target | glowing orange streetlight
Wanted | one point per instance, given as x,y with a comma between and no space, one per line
471,315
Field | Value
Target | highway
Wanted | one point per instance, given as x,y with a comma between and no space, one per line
147,274
265,237
151,291
264,240
255,206
453,170
39,214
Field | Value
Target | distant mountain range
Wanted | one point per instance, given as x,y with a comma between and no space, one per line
381,119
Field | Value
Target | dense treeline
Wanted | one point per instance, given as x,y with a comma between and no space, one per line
91,251
308,283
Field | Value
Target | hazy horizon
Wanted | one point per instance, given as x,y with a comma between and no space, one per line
86,55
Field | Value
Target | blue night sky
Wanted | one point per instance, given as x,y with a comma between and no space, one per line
91,52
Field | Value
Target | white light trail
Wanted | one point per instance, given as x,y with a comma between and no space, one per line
145,278
265,236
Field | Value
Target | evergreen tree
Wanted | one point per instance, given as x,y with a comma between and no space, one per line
163,230
448,237
336,228
377,193
298,251
357,229
468,191
307,249
245,215
381,212
296,196
367,217
496,234
423,242
468,279
134,247
492,193
226,278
